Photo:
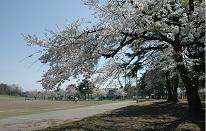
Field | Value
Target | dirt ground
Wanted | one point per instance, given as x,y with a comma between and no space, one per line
148,116
58,117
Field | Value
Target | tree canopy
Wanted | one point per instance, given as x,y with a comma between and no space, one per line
135,30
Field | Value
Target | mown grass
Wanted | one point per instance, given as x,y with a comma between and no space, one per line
6,97
14,106
153,115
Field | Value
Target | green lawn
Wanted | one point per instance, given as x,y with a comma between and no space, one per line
14,106
152,115
6,97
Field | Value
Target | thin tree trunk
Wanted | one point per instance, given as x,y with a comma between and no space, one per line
137,100
125,79
191,5
121,86
175,82
168,86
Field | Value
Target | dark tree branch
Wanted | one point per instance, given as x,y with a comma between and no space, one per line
159,47
157,36
150,36
88,32
191,5
122,44
130,34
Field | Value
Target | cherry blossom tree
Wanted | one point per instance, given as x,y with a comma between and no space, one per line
33,94
120,93
144,27
71,91
44,94
99,92
111,72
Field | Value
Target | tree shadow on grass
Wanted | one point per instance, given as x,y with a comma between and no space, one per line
162,116
157,116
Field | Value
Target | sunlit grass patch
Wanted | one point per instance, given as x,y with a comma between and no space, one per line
15,106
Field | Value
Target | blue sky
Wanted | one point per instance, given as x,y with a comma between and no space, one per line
31,17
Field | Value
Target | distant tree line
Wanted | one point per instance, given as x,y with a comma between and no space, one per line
86,90
12,90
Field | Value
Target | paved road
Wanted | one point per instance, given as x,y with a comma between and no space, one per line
42,120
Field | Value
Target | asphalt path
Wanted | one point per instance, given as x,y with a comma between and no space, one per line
43,120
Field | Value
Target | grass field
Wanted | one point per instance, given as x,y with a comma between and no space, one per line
149,116
14,106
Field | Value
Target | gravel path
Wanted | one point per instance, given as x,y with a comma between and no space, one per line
42,120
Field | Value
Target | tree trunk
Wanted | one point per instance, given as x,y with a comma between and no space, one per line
158,94
168,86
175,82
137,100
191,5
193,98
